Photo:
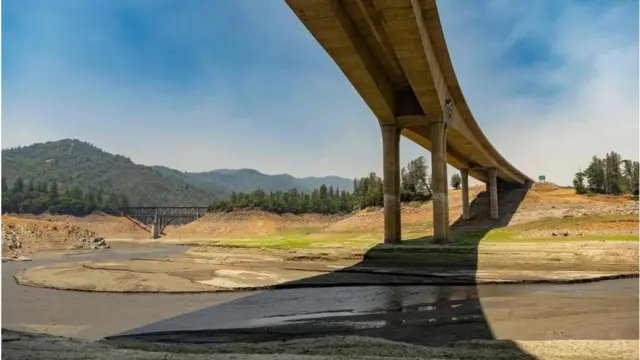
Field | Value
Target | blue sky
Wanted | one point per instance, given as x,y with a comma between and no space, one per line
202,84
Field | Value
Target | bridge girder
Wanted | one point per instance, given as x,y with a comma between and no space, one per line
166,211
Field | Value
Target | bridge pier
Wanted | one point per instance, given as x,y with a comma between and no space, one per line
493,194
438,138
466,211
391,180
155,227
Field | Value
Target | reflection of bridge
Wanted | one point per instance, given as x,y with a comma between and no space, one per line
160,216
394,53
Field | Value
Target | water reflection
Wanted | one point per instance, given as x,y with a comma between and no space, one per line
425,315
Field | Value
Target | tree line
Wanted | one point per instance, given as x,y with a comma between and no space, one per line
367,191
324,200
608,175
38,197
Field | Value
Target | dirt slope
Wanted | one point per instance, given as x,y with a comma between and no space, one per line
541,202
249,223
22,237
413,214
107,226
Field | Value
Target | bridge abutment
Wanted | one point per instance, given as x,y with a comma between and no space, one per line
438,138
391,179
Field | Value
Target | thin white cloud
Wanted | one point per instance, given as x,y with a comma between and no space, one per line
596,110
330,130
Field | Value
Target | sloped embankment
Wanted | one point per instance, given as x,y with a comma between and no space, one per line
107,226
542,202
22,237
250,223
413,214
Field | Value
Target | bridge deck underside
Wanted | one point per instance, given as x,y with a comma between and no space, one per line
397,59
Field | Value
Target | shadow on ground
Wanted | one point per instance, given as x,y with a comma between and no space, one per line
394,307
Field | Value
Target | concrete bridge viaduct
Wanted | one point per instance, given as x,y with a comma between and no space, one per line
394,53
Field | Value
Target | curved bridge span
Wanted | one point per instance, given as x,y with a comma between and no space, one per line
394,53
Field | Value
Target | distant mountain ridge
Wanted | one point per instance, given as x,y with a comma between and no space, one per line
247,180
72,162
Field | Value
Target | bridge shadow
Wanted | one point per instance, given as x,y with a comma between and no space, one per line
382,296
470,232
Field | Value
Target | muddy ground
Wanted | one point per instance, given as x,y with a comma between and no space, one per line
336,278
23,346
213,269
576,321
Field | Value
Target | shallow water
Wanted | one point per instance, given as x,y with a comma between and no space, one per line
413,314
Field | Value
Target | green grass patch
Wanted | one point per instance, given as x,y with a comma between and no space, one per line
552,223
314,238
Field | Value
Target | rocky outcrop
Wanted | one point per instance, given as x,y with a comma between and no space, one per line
21,237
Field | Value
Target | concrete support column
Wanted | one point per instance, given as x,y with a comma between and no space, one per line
466,211
391,177
439,183
154,231
493,193
155,227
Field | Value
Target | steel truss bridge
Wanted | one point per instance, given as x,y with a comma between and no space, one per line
158,217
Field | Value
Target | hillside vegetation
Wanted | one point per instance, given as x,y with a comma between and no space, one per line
367,191
248,180
608,175
73,163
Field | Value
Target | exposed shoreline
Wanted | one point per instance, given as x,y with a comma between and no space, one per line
221,269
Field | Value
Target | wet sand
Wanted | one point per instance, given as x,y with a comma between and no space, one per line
92,316
421,315
416,315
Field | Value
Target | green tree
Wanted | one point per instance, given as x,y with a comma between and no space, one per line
123,202
53,193
595,175
31,186
613,174
631,173
415,184
5,187
76,193
456,181
578,183
18,186
111,203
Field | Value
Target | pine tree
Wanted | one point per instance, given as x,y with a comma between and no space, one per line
53,193
18,186
30,186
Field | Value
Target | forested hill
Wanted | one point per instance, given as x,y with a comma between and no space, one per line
71,163
248,180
